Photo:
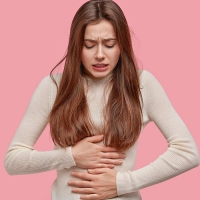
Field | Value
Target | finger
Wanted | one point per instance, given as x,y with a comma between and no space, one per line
89,197
99,165
108,149
112,161
81,184
95,138
113,155
82,175
98,170
83,190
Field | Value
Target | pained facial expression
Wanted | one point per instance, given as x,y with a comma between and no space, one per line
100,52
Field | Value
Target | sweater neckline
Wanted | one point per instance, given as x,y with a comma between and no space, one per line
97,82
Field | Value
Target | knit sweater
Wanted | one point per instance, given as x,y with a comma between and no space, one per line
181,155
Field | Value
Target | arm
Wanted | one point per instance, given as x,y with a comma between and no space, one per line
182,153
21,157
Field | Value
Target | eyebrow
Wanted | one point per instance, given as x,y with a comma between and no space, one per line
107,39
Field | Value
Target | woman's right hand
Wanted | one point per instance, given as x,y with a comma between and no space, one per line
88,154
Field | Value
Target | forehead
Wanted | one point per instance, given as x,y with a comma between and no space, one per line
103,29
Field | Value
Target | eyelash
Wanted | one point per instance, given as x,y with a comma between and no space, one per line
110,46
88,47
105,45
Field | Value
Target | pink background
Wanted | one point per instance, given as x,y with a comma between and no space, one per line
33,38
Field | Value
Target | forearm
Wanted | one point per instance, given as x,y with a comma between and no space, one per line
182,153
21,159
170,164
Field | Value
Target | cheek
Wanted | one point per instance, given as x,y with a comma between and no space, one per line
116,55
85,56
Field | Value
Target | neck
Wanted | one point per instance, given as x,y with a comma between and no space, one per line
92,81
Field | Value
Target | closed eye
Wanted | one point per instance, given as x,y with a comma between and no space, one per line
88,47
108,46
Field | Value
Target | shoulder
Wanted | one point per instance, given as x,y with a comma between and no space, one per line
150,87
48,80
48,83
46,90
146,78
149,83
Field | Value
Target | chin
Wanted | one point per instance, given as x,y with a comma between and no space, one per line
99,76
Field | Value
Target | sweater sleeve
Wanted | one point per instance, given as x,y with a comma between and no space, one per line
21,157
182,153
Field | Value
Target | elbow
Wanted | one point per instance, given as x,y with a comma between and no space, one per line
17,159
193,157
187,149
187,156
196,159
14,163
10,171
8,165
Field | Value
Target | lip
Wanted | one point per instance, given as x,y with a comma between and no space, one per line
100,67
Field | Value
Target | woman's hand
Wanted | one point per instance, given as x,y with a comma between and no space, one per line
97,184
88,154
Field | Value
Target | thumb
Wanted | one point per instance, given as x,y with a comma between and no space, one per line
95,138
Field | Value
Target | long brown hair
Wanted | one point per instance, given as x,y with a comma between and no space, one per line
69,119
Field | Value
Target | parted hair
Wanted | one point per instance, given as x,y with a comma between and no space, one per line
69,118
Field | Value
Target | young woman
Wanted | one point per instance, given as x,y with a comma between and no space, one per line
96,109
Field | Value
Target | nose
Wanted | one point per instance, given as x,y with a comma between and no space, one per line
100,54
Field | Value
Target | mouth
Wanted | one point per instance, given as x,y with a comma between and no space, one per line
100,65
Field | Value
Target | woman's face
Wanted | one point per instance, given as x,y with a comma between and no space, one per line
100,52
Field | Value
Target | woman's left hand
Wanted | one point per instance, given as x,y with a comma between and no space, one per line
97,184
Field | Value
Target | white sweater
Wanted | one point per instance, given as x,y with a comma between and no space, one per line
181,155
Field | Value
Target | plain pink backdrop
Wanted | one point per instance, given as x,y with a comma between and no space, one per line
33,38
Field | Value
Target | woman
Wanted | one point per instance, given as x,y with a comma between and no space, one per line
96,109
